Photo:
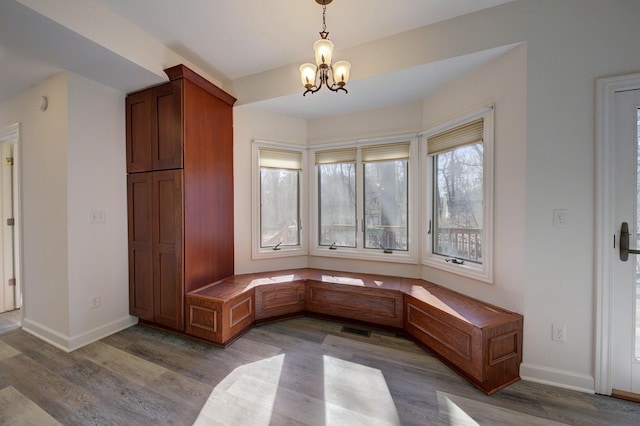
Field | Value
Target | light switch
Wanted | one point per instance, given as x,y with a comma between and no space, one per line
560,218
97,216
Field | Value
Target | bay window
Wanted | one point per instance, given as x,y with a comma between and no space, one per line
363,201
278,227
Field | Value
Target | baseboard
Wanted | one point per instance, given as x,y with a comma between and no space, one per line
69,344
558,378
59,340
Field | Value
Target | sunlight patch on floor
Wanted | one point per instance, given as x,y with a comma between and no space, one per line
246,396
359,389
351,394
467,412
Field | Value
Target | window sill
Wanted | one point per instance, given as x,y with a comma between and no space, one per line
469,270
377,256
274,254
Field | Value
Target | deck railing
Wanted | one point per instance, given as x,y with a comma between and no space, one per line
462,243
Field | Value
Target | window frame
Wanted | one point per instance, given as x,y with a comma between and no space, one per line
410,256
259,252
484,271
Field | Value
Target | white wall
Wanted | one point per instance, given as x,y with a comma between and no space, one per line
503,83
72,160
570,45
390,121
43,156
248,125
96,181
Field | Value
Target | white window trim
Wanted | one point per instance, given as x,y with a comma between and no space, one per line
258,252
409,257
483,272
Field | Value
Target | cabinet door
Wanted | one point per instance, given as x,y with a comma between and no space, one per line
167,251
139,193
166,126
138,137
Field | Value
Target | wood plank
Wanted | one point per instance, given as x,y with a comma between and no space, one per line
17,409
462,410
120,362
39,384
7,351
120,399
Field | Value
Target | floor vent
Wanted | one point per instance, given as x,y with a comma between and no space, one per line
357,331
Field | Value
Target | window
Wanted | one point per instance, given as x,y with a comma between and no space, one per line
337,197
279,182
363,201
460,197
386,196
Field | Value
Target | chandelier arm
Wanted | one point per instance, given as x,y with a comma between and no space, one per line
323,79
312,90
336,88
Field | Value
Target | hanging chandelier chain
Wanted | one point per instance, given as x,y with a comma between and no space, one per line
324,14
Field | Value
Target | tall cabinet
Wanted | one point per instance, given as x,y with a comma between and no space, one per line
180,193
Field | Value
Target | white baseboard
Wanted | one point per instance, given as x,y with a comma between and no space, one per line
69,344
558,378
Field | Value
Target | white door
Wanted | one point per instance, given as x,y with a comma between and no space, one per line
625,290
9,296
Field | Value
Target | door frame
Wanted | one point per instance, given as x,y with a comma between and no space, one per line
605,254
11,133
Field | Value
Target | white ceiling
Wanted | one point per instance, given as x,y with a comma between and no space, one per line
236,39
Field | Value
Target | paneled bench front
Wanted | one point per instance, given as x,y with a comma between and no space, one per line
483,343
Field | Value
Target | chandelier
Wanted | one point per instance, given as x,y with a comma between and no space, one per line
314,76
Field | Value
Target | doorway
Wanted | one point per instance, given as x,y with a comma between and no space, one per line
617,201
10,280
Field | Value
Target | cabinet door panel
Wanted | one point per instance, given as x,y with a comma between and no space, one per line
167,126
139,193
167,237
168,306
139,131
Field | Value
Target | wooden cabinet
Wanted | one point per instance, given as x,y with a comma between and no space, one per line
377,306
180,193
221,312
154,126
155,248
279,300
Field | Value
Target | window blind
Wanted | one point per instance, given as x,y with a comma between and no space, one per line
467,134
338,155
386,152
274,158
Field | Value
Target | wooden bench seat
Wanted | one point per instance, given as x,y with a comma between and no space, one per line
482,342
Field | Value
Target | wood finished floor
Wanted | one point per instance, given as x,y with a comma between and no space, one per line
295,372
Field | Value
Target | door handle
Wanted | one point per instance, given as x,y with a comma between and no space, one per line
624,243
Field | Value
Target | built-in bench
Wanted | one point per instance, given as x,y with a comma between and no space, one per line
482,342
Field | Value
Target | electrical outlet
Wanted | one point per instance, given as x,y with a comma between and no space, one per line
95,301
559,333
